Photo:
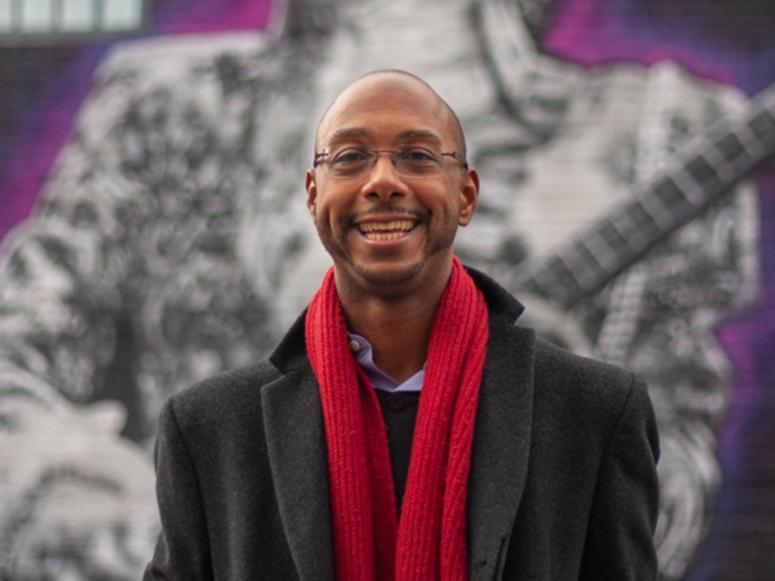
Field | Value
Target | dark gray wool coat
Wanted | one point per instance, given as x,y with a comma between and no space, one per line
563,481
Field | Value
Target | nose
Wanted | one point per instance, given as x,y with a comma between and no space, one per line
384,182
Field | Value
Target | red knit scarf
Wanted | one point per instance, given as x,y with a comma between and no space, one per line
430,542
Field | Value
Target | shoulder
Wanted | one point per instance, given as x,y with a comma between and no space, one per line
588,390
225,398
553,363
228,386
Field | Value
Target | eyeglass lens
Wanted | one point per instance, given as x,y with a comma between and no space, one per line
411,162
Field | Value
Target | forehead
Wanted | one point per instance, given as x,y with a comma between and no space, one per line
387,107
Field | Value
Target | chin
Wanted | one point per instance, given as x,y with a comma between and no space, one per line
388,274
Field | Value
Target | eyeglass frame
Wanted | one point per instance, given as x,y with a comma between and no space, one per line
316,161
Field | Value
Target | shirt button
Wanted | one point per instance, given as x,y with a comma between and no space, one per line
354,345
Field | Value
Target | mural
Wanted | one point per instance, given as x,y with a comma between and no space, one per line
154,233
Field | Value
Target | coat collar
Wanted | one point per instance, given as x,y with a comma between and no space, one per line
297,453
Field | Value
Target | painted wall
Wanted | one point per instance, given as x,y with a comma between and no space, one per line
153,232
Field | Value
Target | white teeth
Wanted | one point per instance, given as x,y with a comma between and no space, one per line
382,236
392,226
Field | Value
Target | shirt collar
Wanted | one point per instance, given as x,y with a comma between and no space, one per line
364,355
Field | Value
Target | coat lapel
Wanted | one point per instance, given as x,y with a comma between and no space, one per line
297,454
501,446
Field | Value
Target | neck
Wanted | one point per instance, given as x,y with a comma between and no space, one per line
397,326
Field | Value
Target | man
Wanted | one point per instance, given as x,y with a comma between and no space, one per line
518,460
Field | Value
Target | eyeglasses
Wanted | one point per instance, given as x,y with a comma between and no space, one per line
410,162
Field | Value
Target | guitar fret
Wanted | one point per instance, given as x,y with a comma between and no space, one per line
688,186
613,236
671,195
579,276
586,269
656,209
623,224
566,282
704,173
603,253
752,143
730,147
741,151
762,125
647,217
724,169
631,225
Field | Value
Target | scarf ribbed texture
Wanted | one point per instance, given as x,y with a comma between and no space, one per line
430,541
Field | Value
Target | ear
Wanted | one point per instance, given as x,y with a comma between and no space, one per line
469,195
310,183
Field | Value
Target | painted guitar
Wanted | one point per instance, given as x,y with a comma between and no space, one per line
702,172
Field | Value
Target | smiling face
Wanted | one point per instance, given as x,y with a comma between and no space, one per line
389,230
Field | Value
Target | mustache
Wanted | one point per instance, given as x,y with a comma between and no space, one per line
384,208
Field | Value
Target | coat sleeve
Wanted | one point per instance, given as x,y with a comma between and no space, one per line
183,548
619,541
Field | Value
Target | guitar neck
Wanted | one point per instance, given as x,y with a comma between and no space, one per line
702,172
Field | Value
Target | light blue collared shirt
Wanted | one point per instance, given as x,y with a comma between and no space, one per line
364,355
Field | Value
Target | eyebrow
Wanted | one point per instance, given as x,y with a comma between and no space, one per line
420,133
359,132
348,133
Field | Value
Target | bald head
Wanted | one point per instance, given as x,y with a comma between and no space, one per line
379,87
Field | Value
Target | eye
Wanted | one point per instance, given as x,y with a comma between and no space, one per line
417,155
351,156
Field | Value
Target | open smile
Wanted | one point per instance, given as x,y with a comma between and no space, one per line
385,231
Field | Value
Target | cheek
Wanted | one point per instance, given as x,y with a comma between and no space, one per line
327,222
330,207
448,209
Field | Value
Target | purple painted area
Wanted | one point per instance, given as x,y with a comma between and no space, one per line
37,143
597,32
179,16
743,339
748,337
36,148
